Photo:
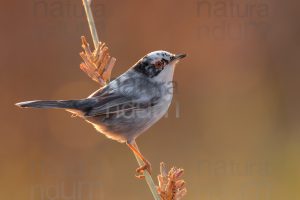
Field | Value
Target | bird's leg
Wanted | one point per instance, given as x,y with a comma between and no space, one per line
147,166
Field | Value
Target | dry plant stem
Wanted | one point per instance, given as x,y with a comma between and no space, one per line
91,22
148,177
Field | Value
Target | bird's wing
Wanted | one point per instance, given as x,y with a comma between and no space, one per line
124,94
116,104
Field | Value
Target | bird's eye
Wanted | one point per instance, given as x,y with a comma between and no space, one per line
159,64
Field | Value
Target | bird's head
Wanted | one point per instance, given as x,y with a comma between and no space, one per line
158,65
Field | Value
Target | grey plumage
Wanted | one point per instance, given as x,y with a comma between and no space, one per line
66,104
128,105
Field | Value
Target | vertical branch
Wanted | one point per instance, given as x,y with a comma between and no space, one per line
91,22
148,177
92,26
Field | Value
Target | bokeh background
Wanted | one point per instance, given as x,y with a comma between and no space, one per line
233,125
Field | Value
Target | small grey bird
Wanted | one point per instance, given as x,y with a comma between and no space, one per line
129,105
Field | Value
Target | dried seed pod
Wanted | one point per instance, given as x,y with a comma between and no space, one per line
170,186
98,64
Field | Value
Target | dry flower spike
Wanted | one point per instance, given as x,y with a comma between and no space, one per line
171,187
97,64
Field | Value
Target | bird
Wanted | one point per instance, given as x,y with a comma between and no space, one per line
130,104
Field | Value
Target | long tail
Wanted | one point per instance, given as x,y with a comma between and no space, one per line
66,104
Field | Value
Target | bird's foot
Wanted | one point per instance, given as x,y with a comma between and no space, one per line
140,170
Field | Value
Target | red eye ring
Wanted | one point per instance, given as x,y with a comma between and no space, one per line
158,64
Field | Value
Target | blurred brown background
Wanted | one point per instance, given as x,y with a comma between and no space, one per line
237,132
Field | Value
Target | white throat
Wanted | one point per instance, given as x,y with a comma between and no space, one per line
166,75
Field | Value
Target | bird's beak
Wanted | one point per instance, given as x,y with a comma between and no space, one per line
179,57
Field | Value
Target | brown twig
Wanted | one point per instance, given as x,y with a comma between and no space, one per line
98,64
148,178
91,22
